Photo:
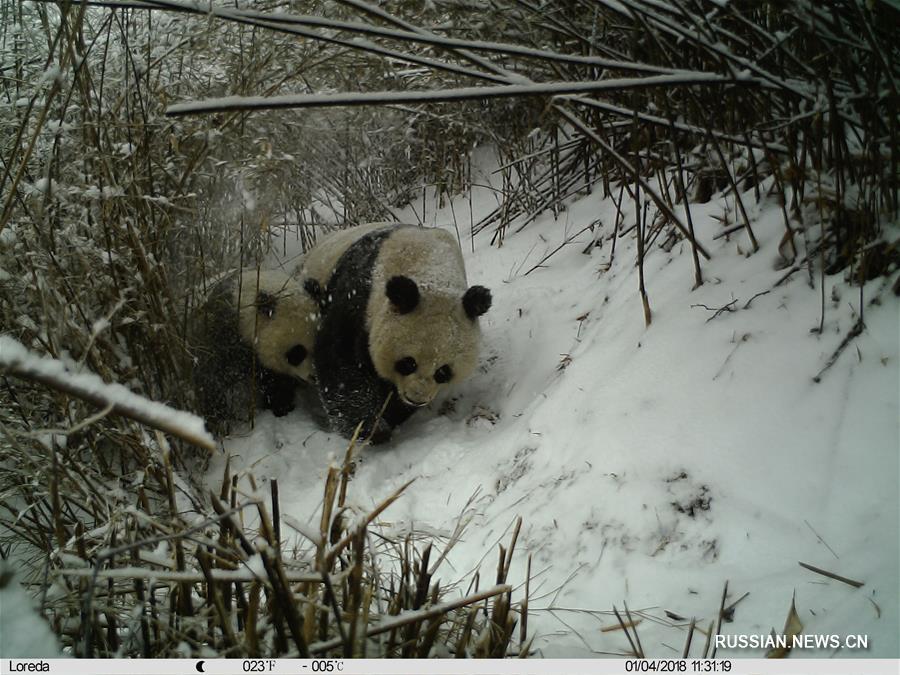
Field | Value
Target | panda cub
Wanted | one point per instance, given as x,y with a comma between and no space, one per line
399,323
260,322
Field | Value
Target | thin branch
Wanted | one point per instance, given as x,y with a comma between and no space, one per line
231,103
854,333
832,575
412,35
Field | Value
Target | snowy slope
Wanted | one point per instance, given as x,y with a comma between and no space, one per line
649,465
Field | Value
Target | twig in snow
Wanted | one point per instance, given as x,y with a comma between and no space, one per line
832,575
728,612
728,230
635,648
744,338
821,541
855,332
690,637
877,608
761,293
709,633
721,615
523,626
718,310
618,626
568,240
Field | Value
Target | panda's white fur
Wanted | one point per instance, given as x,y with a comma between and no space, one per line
398,323
275,316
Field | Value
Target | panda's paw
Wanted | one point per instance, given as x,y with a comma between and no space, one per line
280,409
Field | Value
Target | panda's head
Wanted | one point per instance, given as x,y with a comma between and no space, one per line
422,341
279,319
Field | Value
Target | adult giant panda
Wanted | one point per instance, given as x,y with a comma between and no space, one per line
399,323
260,323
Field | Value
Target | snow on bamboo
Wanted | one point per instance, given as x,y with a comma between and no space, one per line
444,95
16,360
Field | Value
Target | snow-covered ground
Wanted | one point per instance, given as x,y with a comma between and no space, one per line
649,465
24,634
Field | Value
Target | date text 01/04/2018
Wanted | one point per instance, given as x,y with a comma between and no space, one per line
678,666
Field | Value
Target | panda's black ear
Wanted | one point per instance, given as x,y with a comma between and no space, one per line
476,301
265,304
403,294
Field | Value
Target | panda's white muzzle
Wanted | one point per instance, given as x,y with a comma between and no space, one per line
414,404
417,391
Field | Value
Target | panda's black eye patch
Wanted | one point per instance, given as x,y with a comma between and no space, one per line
406,366
443,374
295,355
265,304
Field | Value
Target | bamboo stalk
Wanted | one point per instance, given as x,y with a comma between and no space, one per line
412,617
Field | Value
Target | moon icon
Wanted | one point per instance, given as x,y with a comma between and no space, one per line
200,666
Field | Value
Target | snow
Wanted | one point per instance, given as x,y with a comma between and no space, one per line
650,465
43,185
52,74
23,632
18,360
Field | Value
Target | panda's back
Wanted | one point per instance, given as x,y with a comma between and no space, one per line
350,283
322,259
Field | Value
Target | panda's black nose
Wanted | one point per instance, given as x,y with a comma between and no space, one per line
296,354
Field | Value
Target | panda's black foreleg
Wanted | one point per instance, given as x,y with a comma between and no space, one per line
350,398
358,398
277,391
381,433
350,390
397,412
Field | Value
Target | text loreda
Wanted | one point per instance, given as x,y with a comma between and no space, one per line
811,641
29,667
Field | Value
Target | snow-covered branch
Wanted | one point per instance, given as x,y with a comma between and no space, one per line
18,361
230,103
267,20
302,27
